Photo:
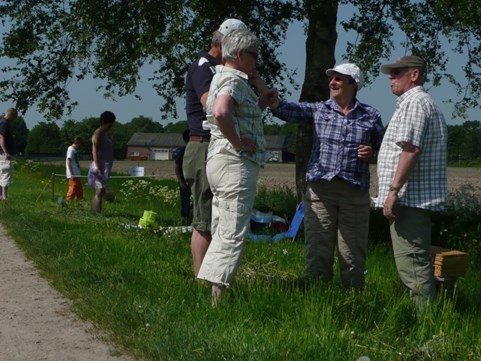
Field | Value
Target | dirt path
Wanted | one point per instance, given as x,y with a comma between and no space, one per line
36,322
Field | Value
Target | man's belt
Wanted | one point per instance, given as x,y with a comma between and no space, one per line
198,138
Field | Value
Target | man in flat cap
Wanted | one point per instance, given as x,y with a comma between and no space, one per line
199,77
412,175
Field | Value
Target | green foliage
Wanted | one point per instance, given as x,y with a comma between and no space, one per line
143,124
142,189
43,136
463,142
177,127
459,227
137,286
120,136
272,129
281,200
428,26
44,139
52,43
20,132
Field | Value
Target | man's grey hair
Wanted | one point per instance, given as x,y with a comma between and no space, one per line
236,41
423,74
216,38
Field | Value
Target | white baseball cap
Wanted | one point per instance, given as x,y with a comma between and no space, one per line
348,69
230,25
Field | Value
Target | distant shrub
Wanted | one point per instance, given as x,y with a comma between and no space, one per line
281,200
459,226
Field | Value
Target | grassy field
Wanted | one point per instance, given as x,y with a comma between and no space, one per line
137,286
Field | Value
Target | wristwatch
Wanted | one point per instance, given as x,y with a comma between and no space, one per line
394,189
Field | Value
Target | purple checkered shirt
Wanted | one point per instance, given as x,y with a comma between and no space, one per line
336,138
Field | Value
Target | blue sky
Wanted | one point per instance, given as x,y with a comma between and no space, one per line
377,94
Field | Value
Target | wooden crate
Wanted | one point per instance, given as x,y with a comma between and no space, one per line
449,263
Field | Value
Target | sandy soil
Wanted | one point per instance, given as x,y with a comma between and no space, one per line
36,322
284,173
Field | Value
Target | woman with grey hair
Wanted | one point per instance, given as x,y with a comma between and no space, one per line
236,152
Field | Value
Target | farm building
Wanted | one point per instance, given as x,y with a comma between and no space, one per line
160,146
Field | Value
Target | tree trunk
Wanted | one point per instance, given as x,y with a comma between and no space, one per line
320,50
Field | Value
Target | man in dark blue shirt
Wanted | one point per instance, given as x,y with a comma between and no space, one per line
197,85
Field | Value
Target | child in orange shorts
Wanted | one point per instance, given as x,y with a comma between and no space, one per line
75,189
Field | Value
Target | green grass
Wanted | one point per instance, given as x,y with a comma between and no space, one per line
137,286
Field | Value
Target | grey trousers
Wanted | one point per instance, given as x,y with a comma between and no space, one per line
411,240
336,213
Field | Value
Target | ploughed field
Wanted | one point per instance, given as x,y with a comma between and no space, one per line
283,174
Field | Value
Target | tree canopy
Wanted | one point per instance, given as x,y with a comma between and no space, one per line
20,133
49,43
52,42
47,138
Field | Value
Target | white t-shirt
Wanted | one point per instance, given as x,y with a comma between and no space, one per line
73,156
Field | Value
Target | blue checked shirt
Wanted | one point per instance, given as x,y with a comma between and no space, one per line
336,138
247,114
417,121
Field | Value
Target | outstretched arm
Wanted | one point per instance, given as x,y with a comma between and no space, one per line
268,97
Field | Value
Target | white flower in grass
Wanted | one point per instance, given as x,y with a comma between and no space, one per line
284,251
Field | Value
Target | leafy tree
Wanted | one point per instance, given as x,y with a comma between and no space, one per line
272,128
143,124
290,129
471,146
84,129
54,41
463,141
177,127
20,133
44,139
455,140
120,135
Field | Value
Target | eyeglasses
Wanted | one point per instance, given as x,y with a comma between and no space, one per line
254,54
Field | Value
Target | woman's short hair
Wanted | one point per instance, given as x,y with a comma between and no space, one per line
236,41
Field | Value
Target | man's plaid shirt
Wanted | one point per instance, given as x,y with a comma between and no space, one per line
417,121
337,138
